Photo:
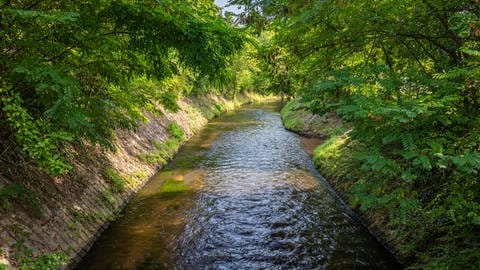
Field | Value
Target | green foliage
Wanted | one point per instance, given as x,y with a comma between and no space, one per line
78,70
21,194
20,250
23,254
329,149
246,69
169,101
49,261
166,149
80,217
411,96
292,116
219,109
107,196
164,152
118,183
36,138
175,131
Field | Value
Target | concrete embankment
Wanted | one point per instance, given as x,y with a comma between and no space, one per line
45,220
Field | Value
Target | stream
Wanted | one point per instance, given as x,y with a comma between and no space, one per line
243,193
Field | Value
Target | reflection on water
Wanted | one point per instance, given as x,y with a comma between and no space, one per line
242,194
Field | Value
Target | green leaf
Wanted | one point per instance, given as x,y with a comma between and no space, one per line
407,176
423,161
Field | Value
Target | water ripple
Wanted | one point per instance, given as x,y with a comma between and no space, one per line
241,195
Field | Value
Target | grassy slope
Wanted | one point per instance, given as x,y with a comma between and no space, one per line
334,160
417,241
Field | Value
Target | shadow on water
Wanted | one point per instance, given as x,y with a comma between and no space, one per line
242,194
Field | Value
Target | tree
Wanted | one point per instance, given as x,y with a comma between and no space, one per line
405,74
67,67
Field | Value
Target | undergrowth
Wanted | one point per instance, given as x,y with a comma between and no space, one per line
417,210
50,261
175,131
165,150
118,183
439,221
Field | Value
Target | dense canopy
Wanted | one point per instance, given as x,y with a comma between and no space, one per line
403,74
80,69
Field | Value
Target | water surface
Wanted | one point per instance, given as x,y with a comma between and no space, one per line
241,194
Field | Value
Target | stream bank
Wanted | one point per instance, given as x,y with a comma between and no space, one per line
240,194
334,160
48,221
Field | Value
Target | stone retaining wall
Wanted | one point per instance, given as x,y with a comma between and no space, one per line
68,213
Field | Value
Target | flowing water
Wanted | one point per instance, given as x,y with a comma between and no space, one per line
241,194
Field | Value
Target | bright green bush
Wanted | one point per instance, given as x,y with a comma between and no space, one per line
176,131
78,70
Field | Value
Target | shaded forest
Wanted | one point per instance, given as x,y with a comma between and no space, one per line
403,75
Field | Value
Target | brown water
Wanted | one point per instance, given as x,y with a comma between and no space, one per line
242,194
